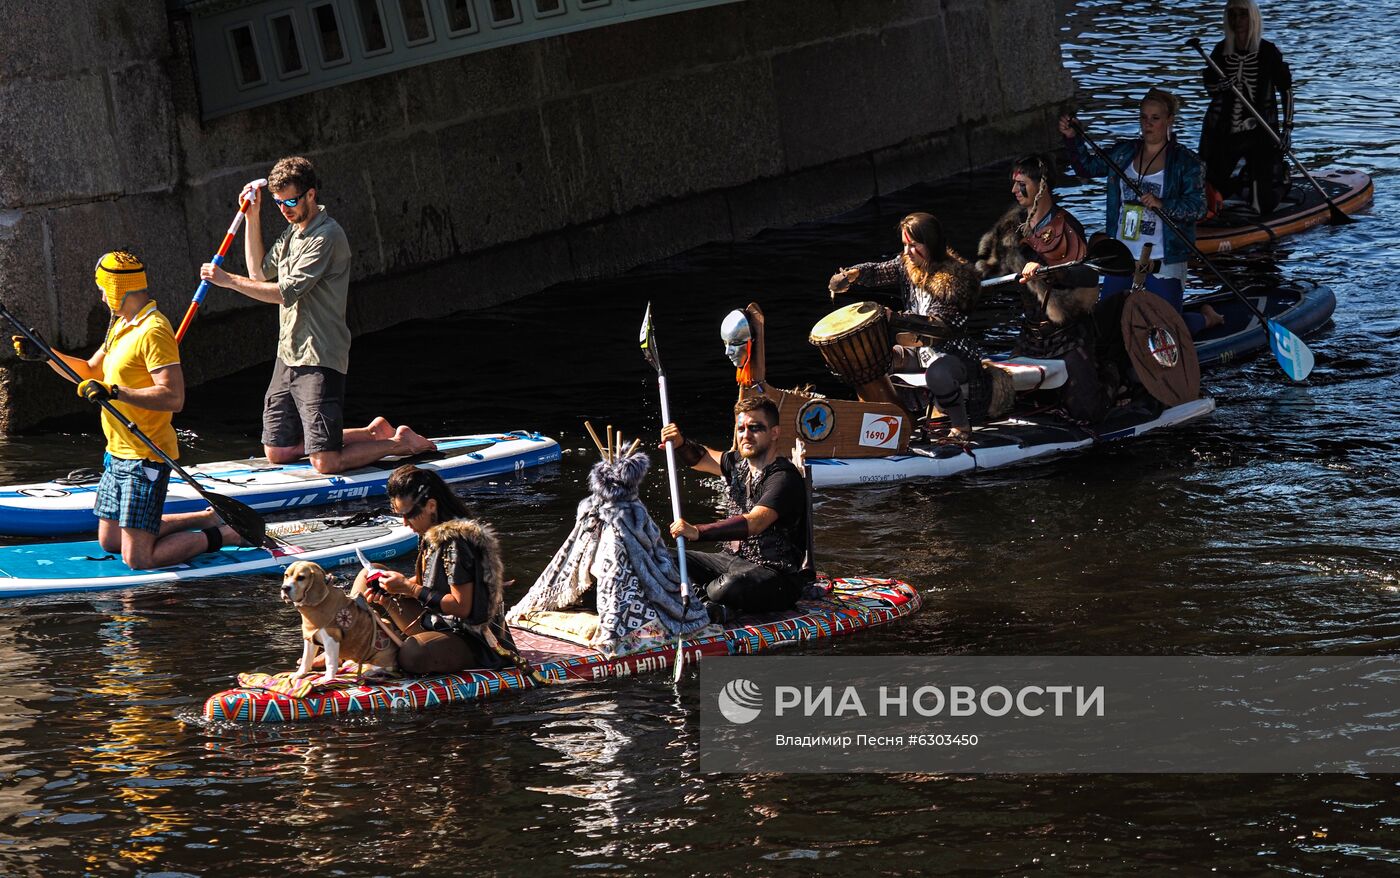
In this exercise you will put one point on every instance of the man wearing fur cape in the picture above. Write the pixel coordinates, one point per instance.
(617, 549)
(1058, 318)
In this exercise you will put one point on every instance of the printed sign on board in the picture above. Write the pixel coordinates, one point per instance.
(880, 431)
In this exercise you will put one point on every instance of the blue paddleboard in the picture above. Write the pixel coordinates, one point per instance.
(64, 506)
(47, 568)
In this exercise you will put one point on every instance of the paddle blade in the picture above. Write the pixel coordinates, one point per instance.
(240, 516)
(1110, 256)
(1294, 357)
(1338, 218)
(679, 664)
(647, 339)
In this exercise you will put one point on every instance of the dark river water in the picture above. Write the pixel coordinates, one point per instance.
(1269, 529)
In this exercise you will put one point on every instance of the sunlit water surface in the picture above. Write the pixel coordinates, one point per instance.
(1268, 530)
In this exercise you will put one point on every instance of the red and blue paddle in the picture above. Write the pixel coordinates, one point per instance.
(244, 203)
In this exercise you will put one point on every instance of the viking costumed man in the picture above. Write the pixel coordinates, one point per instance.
(937, 283)
(760, 567)
(1057, 319)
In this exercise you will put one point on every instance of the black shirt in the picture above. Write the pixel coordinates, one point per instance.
(454, 563)
(779, 487)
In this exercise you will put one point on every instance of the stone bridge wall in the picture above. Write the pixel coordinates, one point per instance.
(466, 182)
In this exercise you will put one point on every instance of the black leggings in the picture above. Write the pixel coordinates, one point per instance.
(1261, 158)
(725, 578)
(946, 377)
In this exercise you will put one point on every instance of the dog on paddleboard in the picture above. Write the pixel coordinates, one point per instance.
(344, 627)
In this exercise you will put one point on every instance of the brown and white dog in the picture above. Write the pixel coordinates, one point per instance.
(344, 627)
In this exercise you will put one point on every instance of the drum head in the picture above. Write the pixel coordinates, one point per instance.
(844, 320)
(1161, 349)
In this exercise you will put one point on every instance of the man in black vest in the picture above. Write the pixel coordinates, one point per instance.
(760, 568)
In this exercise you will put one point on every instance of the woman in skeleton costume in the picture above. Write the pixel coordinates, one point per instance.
(1257, 69)
(1058, 306)
(937, 283)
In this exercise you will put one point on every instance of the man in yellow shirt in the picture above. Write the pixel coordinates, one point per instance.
(137, 369)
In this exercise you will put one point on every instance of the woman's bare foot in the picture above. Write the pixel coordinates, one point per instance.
(412, 441)
(379, 428)
(1213, 317)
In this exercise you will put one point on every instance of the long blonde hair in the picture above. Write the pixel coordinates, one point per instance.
(1256, 27)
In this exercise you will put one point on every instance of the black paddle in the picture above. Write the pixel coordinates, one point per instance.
(237, 515)
(1338, 218)
(1105, 256)
(1292, 355)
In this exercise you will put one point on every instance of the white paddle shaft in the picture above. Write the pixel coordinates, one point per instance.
(674, 478)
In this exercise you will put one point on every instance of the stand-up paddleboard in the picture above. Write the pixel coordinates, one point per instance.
(848, 605)
(1012, 440)
(1301, 209)
(1302, 307)
(64, 506)
(46, 568)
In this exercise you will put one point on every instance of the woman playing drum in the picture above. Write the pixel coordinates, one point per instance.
(936, 283)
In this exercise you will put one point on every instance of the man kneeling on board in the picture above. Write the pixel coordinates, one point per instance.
(306, 275)
(137, 369)
(761, 568)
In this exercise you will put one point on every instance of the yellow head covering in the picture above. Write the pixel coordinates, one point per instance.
(117, 274)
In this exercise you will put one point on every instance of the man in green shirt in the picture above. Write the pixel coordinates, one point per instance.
(306, 273)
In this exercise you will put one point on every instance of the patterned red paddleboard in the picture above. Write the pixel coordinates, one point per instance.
(852, 604)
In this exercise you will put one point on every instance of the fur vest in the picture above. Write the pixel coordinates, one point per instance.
(999, 252)
(947, 286)
(481, 539)
(1059, 298)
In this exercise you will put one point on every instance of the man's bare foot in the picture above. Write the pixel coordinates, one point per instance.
(412, 441)
(379, 428)
(1213, 317)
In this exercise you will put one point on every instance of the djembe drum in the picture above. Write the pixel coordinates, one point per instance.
(855, 343)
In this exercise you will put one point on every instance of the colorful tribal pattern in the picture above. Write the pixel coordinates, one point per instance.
(853, 603)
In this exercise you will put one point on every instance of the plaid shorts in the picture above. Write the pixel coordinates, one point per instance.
(132, 492)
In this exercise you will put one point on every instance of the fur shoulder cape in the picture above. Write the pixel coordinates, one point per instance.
(951, 282)
(481, 537)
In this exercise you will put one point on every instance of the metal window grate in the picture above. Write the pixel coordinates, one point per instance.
(254, 52)
(287, 46)
(329, 35)
(417, 22)
(373, 34)
(504, 13)
(461, 17)
(247, 65)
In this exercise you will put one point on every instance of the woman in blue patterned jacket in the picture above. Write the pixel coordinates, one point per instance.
(1172, 180)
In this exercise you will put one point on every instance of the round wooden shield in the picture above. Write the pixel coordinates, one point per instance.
(1160, 348)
